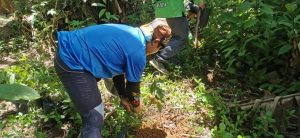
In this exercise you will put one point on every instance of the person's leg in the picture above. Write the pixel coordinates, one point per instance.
(180, 31)
(84, 93)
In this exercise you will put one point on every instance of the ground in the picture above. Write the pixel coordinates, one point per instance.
(179, 114)
(4, 31)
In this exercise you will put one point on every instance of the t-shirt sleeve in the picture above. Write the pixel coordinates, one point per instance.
(135, 66)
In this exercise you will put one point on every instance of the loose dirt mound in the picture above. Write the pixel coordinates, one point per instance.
(150, 133)
(170, 123)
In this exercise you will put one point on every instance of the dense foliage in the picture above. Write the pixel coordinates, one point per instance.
(260, 40)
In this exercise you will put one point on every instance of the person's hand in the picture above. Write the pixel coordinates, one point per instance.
(126, 104)
(191, 15)
(138, 108)
(130, 107)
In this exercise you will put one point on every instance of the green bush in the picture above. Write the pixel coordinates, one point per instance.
(255, 38)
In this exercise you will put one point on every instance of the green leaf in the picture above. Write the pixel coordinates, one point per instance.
(76, 23)
(108, 15)
(291, 7)
(242, 52)
(240, 136)
(15, 92)
(286, 48)
(296, 19)
(279, 90)
(245, 6)
(232, 34)
(267, 9)
(12, 78)
(222, 126)
(228, 51)
(250, 39)
(98, 5)
(1, 125)
(228, 18)
(157, 91)
(249, 23)
(101, 13)
(286, 24)
(294, 86)
(115, 17)
(231, 70)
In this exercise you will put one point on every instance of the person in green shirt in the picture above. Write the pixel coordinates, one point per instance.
(176, 17)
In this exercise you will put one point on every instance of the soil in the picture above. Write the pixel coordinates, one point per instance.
(172, 122)
(6, 25)
(150, 133)
(5, 33)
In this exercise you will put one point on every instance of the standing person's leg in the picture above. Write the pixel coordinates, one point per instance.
(180, 31)
(84, 93)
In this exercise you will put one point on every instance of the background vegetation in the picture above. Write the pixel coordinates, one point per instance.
(249, 50)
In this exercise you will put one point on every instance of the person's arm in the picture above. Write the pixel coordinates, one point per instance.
(135, 65)
(200, 3)
(133, 92)
(129, 95)
(194, 6)
(119, 83)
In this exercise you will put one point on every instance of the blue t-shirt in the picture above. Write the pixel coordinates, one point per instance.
(105, 50)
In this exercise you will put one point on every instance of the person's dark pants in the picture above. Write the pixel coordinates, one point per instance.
(84, 93)
(180, 32)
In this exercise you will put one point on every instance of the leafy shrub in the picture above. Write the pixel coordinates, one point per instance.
(255, 38)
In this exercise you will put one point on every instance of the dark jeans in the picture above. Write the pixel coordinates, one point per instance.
(180, 32)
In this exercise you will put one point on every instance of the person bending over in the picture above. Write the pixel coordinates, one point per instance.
(104, 51)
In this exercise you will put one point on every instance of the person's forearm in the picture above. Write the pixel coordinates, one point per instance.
(133, 92)
(119, 82)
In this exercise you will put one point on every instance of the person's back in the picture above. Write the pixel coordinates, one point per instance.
(169, 8)
(103, 49)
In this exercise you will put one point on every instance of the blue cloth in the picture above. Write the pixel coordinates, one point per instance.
(105, 50)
